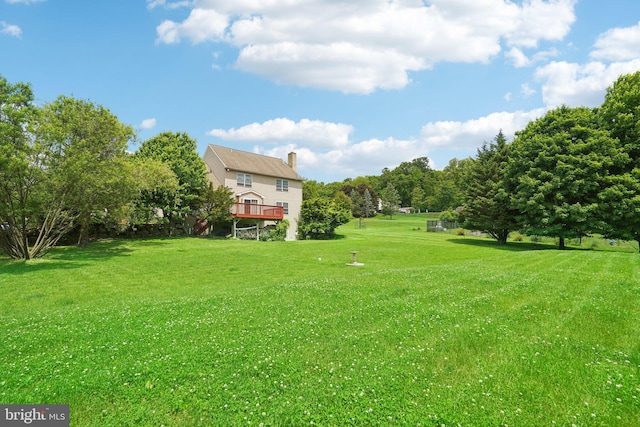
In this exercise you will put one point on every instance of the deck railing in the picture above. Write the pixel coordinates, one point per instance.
(250, 210)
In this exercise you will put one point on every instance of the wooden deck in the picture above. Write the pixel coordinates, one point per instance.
(247, 210)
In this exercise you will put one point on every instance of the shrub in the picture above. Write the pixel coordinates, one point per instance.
(460, 231)
(517, 237)
(280, 231)
(319, 217)
(449, 215)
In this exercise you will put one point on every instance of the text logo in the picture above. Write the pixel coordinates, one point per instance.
(34, 415)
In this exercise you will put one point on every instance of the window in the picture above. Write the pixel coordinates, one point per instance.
(285, 205)
(243, 180)
(282, 185)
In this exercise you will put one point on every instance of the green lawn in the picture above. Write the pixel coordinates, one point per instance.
(434, 329)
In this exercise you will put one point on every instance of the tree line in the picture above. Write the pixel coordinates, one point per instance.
(414, 183)
(65, 166)
(569, 174)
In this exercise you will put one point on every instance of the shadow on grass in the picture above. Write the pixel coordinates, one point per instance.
(327, 238)
(510, 246)
(70, 257)
(529, 246)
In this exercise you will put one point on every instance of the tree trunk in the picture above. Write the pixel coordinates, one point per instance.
(561, 245)
(83, 239)
(24, 240)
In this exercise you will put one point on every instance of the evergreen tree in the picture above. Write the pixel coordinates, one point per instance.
(368, 207)
(488, 205)
(357, 203)
(390, 201)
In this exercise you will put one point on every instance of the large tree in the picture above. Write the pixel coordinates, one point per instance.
(620, 201)
(488, 205)
(178, 151)
(620, 114)
(32, 214)
(152, 177)
(558, 167)
(89, 161)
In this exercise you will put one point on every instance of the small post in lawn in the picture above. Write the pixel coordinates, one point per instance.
(354, 262)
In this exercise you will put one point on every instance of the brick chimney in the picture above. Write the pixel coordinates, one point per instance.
(291, 161)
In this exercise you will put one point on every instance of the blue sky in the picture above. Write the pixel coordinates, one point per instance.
(352, 87)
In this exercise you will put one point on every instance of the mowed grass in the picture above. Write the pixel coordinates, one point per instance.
(434, 329)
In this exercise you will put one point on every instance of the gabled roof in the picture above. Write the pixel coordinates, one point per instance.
(244, 193)
(243, 161)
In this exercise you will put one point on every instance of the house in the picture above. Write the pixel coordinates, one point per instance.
(267, 190)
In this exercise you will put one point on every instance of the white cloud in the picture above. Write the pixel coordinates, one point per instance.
(311, 133)
(23, 1)
(148, 124)
(341, 66)
(526, 90)
(580, 85)
(341, 158)
(542, 20)
(519, 59)
(365, 45)
(11, 30)
(363, 158)
(201, 25)
(456, 135)
(545, 55)
(618, 44)
(152, 4)
(573, 84)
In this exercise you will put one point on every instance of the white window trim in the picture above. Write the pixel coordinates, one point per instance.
(282, 185)
(241, 180)
(285, 205)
